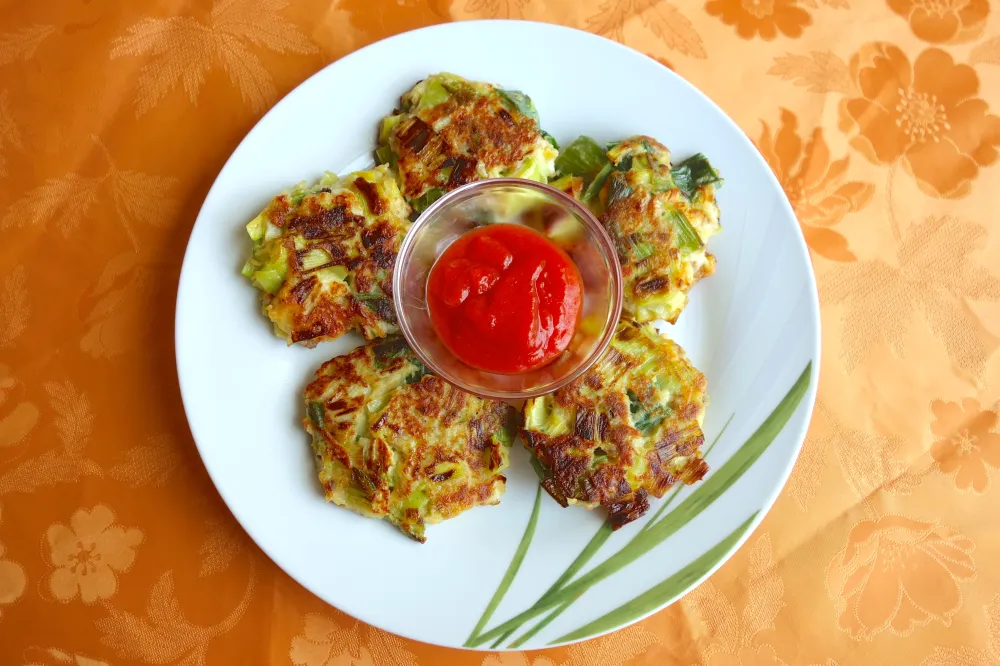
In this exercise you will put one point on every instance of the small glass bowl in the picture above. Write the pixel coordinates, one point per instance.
(559, 217)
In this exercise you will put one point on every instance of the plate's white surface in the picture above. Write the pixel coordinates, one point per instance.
(751, 328)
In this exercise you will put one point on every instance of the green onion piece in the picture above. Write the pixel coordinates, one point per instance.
(662, 182)
(269, 279)
(416, 500)
(540, 471)
(518, 100)
(694, 172)
(619, 189)
(316, 411)
(298, 193)
(388, 124)
(315, 258)
(390, 349)
(649, 422)
(331, 274)
(594, 189)
(642, 418)
(634, 406)
(687, 237)
(381, 306)
(257, 228)
(418, 373)
(385, 155)
(435, 93)
(421, 203)
(642, 250)
(505, 436)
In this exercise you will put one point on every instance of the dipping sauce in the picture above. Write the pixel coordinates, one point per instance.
(504, 298)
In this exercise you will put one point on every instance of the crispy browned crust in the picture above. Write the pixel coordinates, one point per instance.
(309, 311)
(481, 135)
(636, 219)
(628, 508)
(632, 220)
(606, 460)
(430, 438)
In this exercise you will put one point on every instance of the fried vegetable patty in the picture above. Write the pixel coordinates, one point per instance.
(323, 256)
(392, 441)
(629, 428)
(659, 216)
(450, 131)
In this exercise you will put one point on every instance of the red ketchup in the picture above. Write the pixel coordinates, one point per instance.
(504, 298)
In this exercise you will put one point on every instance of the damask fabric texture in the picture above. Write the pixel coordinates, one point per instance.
(879, 117)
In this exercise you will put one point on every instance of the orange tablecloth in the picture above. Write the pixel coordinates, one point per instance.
(880, 118)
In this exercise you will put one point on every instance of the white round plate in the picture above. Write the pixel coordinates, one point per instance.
(752, 328)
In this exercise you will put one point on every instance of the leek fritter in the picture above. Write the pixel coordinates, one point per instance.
(323, 257)
(392, 441)
(660, 217)
(629, 428)
(450, 131)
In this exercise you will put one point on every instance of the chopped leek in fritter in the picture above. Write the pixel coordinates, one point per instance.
(451, 131)
(660, 218)
(323, 257)
(392, 441)
(629, 428)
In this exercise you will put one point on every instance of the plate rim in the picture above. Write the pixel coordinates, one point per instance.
(808, 399)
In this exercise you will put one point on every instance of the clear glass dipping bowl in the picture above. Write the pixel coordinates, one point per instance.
(558, 216)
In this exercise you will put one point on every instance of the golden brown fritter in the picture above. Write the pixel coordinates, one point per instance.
(659, 228)
(394, 442)
(628, 428)
(323, 257)
(451, 131)
(659, 215)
